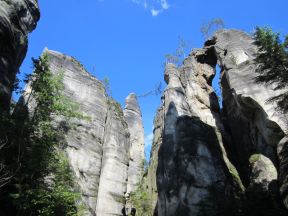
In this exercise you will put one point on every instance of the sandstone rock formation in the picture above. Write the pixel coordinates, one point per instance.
(133, 117)
(192, 161)
(263, 171)
(100, 148)
(17, 19)
(195, 142)
(254, 124)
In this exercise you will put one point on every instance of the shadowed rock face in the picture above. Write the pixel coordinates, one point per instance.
(100, 149)
(193, 171)
(192, 135)
(255, 125)
(17, 19)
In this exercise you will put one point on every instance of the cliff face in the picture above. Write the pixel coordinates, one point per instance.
(195, 143)
(133, 117)
(102, 154)
(17, 19)
(193, 171)
(255, 125)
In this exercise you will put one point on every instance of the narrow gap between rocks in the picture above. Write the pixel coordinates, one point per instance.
(216, 85)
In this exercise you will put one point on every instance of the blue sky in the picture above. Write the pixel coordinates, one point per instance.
(126, 40)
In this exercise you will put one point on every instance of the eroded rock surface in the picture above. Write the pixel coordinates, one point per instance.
(263, 171)
(133, 117)
(255, 125)
(193, 172)
(196, 144)
(17, 19)
(99, 148)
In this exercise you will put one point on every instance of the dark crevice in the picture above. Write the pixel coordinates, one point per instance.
(210, 42)
(208, 57)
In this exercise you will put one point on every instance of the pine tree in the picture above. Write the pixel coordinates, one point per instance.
(43, 184)
(272, 63)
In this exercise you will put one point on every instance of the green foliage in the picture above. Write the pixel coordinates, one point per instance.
(53, 197)
(254, 158)
(141, 201)
(272, 63)
(116, 107)
(43, 182)
(106, 83)
(235, 175)
(145, 165)
(210, 27)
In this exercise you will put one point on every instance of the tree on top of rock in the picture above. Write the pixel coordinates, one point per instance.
(272, 63)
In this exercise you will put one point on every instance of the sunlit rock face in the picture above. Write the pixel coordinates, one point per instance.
(17, 19)
(133, 117)
(100, 147)
(193, 172)
(201, 153)
(255, 125)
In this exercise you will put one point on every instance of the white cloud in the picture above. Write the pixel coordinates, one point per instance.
(155, 6)
(155, 12)
(148, 139)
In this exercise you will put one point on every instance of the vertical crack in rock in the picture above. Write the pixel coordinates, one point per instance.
(99, 148)
(194, 141)
(113, 178)
(255, 125)
(192, 168)
(84, 137)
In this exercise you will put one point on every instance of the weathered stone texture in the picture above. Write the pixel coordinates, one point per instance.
(133, 117)
(98, 148)
(256, 126)
(17, 19)
(194, 141)
(263, 171)
(191, 159)
(115, 161)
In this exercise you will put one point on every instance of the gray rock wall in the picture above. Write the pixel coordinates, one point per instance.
(133, 117)
(256, 126)
(115, 162)
(17, 19)
(192, 169)
(99, 148)
(196, 145)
